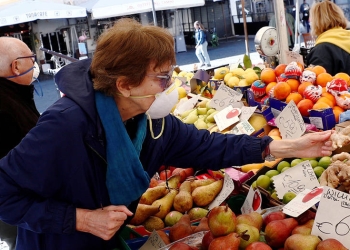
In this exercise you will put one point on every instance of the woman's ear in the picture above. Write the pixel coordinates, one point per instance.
(122, 86)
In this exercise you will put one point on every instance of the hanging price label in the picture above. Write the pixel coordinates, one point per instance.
(296, 179)
(290, 122)
(224, 97)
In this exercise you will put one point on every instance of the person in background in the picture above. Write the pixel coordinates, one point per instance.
(290, 22)
(18, 113)
(304, 15)
(75, 180)
(201, 45)
(332, 46)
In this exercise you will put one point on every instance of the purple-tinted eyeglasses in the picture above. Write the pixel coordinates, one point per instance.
(165, 80)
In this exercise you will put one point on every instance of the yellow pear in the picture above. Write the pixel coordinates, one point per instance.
(143, 212)
(165, 203)
(201, 124)
(152, 194)
(210, 118)
(204, 195)
(183, 200)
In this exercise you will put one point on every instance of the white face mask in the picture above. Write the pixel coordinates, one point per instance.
(36, 72)
(161, 106)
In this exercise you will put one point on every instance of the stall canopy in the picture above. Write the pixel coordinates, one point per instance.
(107, 8)
(31, 10)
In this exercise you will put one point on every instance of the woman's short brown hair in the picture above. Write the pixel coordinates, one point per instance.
(326, 15)
(126, 50)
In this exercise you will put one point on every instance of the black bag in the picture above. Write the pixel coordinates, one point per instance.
(207, 36)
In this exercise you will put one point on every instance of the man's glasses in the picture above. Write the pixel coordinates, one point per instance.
(23, 57)
(165, 80)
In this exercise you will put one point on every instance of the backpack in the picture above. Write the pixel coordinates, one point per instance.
(207, 36)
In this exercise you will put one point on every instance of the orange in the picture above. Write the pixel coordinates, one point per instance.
(320, 105)
(302, 87)
(323, 78)
(324, 90)
(301, 66)
(304, 106)
(280, 69)
(295, 96)
(274, 132)
(268, 75)
(318, 70)
(281, 90)
(294, 84)
(269, 87)
(337, 111)
(344, 76)
(330, 97)
(326, 100)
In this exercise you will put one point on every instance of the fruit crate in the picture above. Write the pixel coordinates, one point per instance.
(129, 239)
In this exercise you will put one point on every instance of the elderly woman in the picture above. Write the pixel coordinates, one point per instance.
(332, 47)
(76, 178)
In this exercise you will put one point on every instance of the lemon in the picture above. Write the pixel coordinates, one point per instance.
(233, 81)
(220, 73)
(227, 77)
(250, 77)
(237, 71)
(182, 92)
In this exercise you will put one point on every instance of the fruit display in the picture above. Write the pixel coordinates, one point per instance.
(223, 229)
(165, 202)
(265, 180)
(310, 88)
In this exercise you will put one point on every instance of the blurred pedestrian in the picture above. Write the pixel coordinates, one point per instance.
(305, 16)
(201, 45)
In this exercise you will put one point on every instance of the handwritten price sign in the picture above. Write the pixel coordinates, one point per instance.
(224, 97)
(226, 190)
(290, 122)
(154, 242)
(332, 218)
(296, 179)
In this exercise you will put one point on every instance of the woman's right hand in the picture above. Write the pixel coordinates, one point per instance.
(102, 222)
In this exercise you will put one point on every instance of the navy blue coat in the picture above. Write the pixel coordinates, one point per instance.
(60, 165)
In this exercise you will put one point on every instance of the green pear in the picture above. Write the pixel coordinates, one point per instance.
(203, 104)
(197, 213)
(200, 124)
(301, 241)
(210, 111)
(201, 111)
(210, 118)
(207, 105)
(190, 119)
(253, 232)
(186, 113)
(172, 218)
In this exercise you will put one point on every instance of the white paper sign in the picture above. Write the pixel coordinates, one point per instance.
(333, 216)
(296, 179)
(154, 242)
(242, 127)
(303, 201)
(246, 112)
(290, 122)
(252, 202)
(224, 96)
(226, 190)
(227, 117)
(292, 56)
(186, 105)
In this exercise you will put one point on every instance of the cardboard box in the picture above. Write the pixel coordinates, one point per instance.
(338, 128)
(322, 119)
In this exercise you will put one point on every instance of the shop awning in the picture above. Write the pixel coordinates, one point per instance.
(107, 8)
(31, 10)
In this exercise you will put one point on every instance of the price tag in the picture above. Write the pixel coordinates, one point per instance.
(252, 202)
(154, 242)
(292, 56)
(226, 190)
(296, 179)
(242, 127)
(303, 201)
(290, 122)
(317, 121)
(186, 105)
(227, 117)
(332, 218)
(246, 112)
(224, 97)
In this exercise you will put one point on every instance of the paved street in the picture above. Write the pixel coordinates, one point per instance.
(228, 51)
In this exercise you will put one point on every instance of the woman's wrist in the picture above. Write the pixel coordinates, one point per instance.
(281, 148)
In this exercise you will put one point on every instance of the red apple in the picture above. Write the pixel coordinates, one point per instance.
(258, 246)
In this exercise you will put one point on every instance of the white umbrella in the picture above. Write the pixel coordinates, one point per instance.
(108, 8)
(30, 10)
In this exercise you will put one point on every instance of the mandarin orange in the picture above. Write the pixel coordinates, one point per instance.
(294, 84)
(268, 75)
(318, 69)
(280, 69)
(269, 87)
(304, 106)
(323, 78)
(344, 76)
(303, 86)
(281, 90)
(295, 96)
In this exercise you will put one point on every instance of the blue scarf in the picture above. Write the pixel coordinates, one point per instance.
(126, 179)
